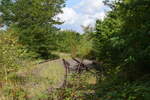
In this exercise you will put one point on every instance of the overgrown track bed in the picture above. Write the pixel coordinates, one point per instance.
(49, 75)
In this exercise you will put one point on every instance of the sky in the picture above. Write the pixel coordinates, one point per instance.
(79, 13)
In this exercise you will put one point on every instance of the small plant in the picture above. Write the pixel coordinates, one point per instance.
(74, 90)
(122, 90)
(11, 92)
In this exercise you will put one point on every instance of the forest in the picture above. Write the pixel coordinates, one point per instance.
(40, 61)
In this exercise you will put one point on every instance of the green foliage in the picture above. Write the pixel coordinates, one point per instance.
(122, 90)
(68, 41)
(34, 22)
(122, 38)
(86, 43)
(10, 59)
(74, 90)
(135, 32)
(121, 41)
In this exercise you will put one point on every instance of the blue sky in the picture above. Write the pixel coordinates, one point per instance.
(71, 3)
(79, 13)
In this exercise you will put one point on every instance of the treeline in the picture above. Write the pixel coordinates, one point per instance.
(122, 43)
(78, 45)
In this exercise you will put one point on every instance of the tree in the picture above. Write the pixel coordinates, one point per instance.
(34, 21)
(67, 41)
(85, 48)
(122, 38)
(135, 32)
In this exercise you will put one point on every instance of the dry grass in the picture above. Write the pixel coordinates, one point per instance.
(41, 77)
(62, 55)
(44, 76)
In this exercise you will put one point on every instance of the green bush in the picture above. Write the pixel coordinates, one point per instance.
(74, 90)
(10, 59)
(121, 90)
(10, 62)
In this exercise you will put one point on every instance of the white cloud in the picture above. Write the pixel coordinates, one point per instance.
(100, 15)
(69, 15)
(84, 13)
(90, 6)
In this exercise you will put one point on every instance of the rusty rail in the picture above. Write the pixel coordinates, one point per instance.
(66, 65)
(81, 65)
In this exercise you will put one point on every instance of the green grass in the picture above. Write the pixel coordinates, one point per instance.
(62, 55)
(44, 76)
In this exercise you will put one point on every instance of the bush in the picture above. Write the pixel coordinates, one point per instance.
(10, 59)
(10, 62)
(121, 90)
(74, 90)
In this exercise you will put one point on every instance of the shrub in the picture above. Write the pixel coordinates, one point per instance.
(121, 90)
